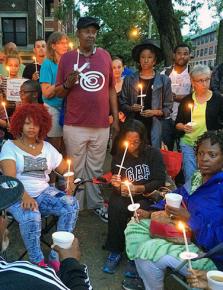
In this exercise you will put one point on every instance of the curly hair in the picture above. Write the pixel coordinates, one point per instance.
(37, 113)
(215, 137)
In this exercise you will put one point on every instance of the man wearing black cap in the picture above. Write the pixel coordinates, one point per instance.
(85, 77)
(22, 275)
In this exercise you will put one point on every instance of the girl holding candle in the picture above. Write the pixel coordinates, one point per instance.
(157, 104)
(30, 159)
(204, 215)
(144, 168)
(207, 114)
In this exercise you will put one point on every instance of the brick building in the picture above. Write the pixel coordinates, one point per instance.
(23, 21)
(205, 46)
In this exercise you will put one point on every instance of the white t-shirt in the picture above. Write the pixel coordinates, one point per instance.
(32, 171)
(181, 85)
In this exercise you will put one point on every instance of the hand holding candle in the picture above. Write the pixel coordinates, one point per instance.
(68, 174)
(133, 206)
(123, 158)
(141, 96)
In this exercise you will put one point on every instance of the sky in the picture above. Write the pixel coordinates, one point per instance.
(205, 18)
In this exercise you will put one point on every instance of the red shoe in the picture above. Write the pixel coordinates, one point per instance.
(55, 265)
(41, 263)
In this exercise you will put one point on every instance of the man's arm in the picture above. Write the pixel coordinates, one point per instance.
(72, 273)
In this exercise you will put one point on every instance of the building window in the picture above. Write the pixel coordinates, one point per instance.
(205, 50)
(202, 52)
(39, 29)
(211, 50)
(198, 52)
(206, 38)
(202, 40)
(212, 37)
(205, 62)
(215, 49)
(15, 30)
(198, 41)
(49, 8)
(210, 63)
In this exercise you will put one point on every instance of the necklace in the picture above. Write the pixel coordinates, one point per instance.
(31, 146)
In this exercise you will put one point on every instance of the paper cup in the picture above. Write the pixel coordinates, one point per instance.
(192, 124)
(173, 199)
(214, 278)
(63, 239)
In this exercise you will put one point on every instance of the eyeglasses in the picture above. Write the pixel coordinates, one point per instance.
(202, 81)
(22, 92)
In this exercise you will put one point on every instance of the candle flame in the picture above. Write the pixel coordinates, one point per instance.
(34, 58)
(126, 143)
(8, 68)
(71, 45)
(126, 182)
(68, 161)
(190, 106)
(3, 104)
(140, 86)
(181, 226)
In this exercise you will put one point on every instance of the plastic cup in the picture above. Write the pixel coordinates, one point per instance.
(173, 199)
(214, 278)
(192, 124)
(63, 239)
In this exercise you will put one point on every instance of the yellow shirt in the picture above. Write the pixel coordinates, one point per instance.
(199, 120)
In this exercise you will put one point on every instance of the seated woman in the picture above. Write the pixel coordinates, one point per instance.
(144, 168)
(30, 159)
(203, 197)
(207, 114)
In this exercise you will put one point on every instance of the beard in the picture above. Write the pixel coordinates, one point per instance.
(5, 241)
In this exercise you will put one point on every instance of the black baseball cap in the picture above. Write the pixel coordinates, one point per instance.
(86, 21)
(11, 191)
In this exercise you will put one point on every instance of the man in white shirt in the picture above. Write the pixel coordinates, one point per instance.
(181, 86)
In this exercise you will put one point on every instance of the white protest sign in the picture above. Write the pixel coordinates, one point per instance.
(13, 88)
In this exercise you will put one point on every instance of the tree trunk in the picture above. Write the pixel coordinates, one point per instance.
(167, 25)
(219, 56)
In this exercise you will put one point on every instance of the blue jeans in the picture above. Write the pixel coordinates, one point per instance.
(61, 205)
(189, 160)
(152, 273)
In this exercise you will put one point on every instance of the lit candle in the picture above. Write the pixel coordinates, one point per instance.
(123, 157)
(71, 45)
(6, 114)
(34, 58)
(190, 106)
(68, 163)
(182, 228)
(68, 172)
(127, 183)
(8, 69)
(140, 87)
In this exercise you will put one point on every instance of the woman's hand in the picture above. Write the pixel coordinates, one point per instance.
(28, 202)
(35, 76)
(151, 113)
(136, 108)
(70, 188)
(178, 213)
(187, 128)
(116, 180)
(198, 279)
(143, 214)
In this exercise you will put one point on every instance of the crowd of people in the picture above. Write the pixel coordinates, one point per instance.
(71, 102)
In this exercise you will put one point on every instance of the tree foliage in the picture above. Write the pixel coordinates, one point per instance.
(119, 16)
(118, 19)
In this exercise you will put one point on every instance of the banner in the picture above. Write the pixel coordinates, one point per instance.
(13, 88)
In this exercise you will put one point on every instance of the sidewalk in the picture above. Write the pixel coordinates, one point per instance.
(91, 232)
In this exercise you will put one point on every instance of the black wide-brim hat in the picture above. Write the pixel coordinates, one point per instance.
(11, 191)
(148, 44)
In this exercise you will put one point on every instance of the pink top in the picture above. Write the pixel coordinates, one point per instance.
(87, 103)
